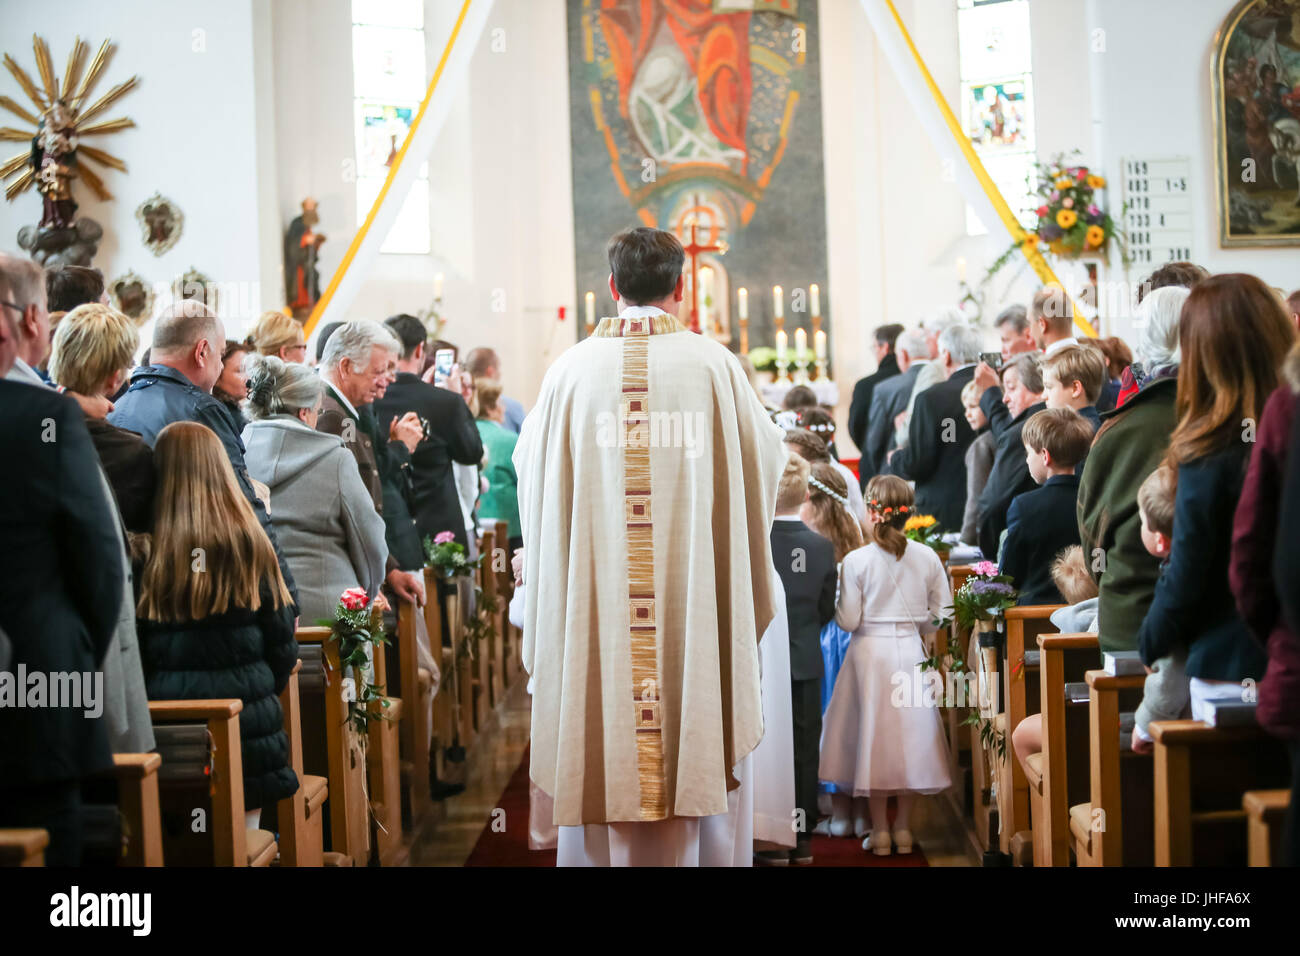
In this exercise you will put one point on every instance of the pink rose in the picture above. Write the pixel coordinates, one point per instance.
(1067, 202)
(1094, 211)
(1041, 211)
(1083, 174)
(985, 569)
(443, 537)
(354, 599)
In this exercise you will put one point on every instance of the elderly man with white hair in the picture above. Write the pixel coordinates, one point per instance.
(357, 366)
(938, 433)
(186, 354)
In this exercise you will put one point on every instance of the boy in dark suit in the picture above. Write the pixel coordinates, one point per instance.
(1041, 523)
(806, 563)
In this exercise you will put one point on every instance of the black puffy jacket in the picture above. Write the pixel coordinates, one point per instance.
(243, 654)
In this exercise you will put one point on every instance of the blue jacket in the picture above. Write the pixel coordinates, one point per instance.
(159, 395)
(1193, 605)
(1040, 525)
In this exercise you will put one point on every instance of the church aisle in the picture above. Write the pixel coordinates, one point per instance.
(498, 779)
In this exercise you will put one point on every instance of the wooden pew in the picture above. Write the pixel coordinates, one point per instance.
(960, 765)
(501, 580)
(1114, 827)
(232, 843)
(1020, 698)
(23, 847)
(138, 803)
(301, 817)
(1057, 777)
(483, 650)
(334, 751)
(415, 685)
(457, 611)
(443, 711)
(1201, 776)
(1266, 812)
(383, 764)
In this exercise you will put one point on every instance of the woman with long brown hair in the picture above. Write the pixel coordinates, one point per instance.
(215, 617)
(1233, 335)
(883, 735)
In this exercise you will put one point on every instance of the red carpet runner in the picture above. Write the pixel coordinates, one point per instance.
(509, 847)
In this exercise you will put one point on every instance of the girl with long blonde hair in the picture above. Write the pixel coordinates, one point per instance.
(215, 617)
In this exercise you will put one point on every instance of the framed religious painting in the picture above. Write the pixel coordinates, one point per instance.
(1256, 88)
(197, 286)
(133, 297)
(160, 222)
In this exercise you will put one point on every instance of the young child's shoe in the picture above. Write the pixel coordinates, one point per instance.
(841, 826)
(861, 826)
(877, 842)
(903, 841)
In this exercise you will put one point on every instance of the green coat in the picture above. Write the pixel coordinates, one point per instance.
(1131, 444)
(501, 501)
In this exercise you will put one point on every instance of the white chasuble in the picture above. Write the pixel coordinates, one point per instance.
(774, 807)
(647, 483)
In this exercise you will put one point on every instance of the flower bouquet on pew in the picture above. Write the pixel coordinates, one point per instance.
(925, 529)
(357, 625)
(447, 556)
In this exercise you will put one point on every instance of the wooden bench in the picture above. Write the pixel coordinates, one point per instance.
(138, 803)
(23, 847)
(1020, 698)
(960, 764)
(1201, 776)
(1114, 827)
(232, 844)
(1057, 776)
(383, 764)
(501, 582)
(445, 703)
(1266, 812)
(301, 817)
(415, 687)
(482, 679)
(331, 749)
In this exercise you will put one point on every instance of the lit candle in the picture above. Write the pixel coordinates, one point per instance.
(437, 287)
(800, 342)
(780, 345)
(961, 268)
(591, 309)
(742, 303)
(778, 302)
(819, 345)
(816, 295)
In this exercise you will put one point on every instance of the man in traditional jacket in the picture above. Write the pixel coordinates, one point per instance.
(647, 484)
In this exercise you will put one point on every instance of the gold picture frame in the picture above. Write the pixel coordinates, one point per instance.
(1257, 124)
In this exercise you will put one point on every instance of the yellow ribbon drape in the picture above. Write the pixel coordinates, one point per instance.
(348, 256)
(1018, 235)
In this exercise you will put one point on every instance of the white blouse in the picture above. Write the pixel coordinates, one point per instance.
(877, 589)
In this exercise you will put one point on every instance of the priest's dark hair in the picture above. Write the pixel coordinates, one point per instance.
(646, 264)
(409, 330)
(67, 287)
(888, 334)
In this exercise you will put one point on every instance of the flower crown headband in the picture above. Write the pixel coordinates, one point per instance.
(827, 491)
(874, 505)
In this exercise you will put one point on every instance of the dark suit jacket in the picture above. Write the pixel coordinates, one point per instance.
(1194, 606)
(1009, 476)
(128, 465)
(888, 400)
(860, 407)
(806, 563)
(935, 456)
(61, 580)
(1040, 524)
(451, 437)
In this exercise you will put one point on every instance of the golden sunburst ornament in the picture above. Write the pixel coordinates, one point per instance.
(61, 119)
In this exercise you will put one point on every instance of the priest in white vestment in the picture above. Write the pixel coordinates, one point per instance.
(647, 484)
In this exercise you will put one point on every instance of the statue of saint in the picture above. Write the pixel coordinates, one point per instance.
(301, 246)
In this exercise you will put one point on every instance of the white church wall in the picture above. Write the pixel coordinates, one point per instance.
(197, 139)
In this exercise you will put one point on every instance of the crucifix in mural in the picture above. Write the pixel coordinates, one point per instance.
(702, 117)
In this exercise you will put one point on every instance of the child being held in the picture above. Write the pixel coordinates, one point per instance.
(1071, 577)
(1043, 522)
(1165, 694)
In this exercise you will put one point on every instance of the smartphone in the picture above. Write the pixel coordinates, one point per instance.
(992, 359)
(443, 362)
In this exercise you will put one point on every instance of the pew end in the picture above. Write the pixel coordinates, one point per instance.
(138, 802)
(1266, 812)
(1114, 826)
(23, 847)
(301, 816)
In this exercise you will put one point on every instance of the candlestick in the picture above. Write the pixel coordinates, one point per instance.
(437, 287)
(800, 342)
(591, 310)
(819, 349)
(815, 294)
(961, 270)
(742, 303)
(800, 356)
(782, 359)
(778, 306)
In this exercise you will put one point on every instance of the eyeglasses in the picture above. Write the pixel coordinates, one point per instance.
(16, 308)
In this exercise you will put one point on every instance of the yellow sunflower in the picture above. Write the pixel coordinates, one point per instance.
(1066, 218)
(1095, 237)
(1065, 182)
(1096, 182)
(920, 522)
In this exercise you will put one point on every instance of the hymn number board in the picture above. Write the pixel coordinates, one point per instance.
(1158, 214)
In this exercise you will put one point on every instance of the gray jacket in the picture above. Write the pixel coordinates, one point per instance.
(330, 532)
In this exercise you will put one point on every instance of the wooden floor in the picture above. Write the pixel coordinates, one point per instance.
(450, 838)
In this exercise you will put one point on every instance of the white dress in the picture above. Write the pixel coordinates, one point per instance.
(881, 734)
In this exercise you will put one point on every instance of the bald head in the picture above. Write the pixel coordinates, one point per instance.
(483, 363)
(188, 337)
(22, 289)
